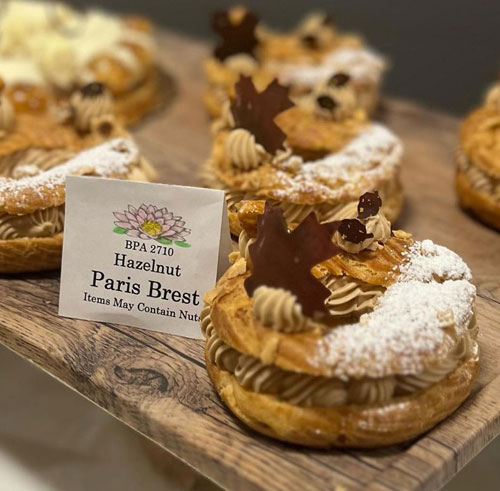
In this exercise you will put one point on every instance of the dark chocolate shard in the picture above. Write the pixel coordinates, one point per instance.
(235, 38)
(310, 41)
(283, 259)
(369, 205)
(326, 102)
(352, 230)
(255, 111)
(93, 89)
(328, 20)
(339, 79)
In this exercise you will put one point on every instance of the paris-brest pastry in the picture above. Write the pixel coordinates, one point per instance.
(48, 49)
(37, 152)
(302, 59)
(320, 155)
(365, 340)
(478, 172)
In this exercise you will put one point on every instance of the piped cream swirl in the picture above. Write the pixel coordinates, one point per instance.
(317, 391)
(244, 242)
(350, 296)
(376, 225)
(278, 309)
(478, 179)
(376, 391)
(241, 63)
(41, 223)
(7, 115)
(87, 109)
(12, 165)
(243, 151)
(465, 347)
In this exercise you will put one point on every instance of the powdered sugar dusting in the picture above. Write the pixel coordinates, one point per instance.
(363, 65)
(111, 159)
(427, 260)
(404, 331)
(374, 155)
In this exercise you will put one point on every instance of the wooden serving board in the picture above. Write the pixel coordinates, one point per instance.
(157, 384)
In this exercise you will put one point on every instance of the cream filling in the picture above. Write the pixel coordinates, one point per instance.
(478, 179)
(350, 296)
(41, 41)
(41, 223)
(7, 115)
(32, 161)
(89, 109)
(296, 213)
(245, 153)
(376, 225)
(278, 309)
(493, 94)
(317, 391)
(363, 65)
(242, 63)
(370, 160)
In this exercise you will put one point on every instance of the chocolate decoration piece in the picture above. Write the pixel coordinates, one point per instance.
(283, 259)
(329, 20)
(326, 102)
(256, 111)
(369, 205)
(352, 230)
(236, 39)
(310, 41)
(93, 89)
(339, 79)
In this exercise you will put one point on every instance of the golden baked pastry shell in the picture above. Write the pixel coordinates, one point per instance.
(31, 254)
(480, 140)
(482, 205)
(363, 426)
(393, 200)
(134, 105)
(232, 317)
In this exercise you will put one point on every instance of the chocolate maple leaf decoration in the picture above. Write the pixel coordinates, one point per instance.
(283, 259)
(369, 205)
(236, 38)
(255, 111)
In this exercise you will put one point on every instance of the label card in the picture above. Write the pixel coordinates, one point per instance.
(141, 254)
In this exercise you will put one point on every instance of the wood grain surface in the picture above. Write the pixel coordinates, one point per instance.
(157, 384)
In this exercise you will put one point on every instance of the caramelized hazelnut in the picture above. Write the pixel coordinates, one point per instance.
(310, 41)
(27, 98)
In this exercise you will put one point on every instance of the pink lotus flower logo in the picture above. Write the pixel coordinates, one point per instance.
(149, 222)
